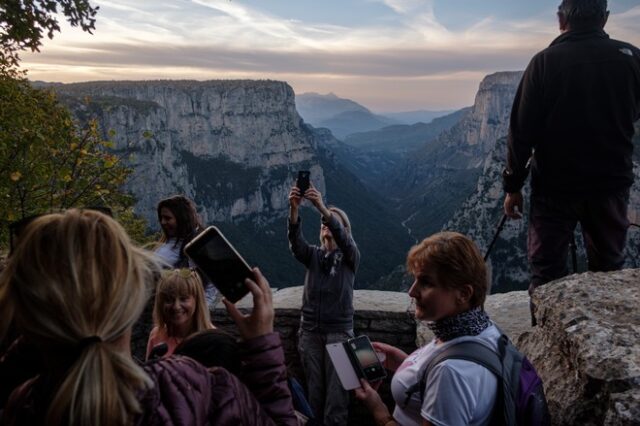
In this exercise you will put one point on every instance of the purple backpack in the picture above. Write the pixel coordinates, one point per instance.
(520, 400)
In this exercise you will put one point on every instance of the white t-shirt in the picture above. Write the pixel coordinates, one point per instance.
(457, 392)
(169, 252)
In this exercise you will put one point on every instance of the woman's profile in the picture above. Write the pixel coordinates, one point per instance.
(449, 289)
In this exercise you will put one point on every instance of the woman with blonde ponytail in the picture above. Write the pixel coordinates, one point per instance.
(75, 286)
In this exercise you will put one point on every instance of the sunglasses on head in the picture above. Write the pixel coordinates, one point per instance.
(17, 228)
(182, 272)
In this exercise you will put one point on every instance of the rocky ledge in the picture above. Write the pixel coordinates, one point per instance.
(587, 347)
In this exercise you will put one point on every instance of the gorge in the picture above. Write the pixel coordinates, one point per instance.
(235, 147)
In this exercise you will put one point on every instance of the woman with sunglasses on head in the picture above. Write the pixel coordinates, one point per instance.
(75, 286)
(180, 223)
(327, 305)
(179, 311)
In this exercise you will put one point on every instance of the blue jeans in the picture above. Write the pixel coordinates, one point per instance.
(328, 400)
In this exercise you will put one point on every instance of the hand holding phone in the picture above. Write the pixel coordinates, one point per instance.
(367, 359)
(369, 396)
(221, 263)
(355, 359)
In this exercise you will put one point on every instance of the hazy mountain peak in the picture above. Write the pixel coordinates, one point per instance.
(341, 116)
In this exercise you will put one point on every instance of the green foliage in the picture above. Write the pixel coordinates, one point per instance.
(47, 164)
(23, 24)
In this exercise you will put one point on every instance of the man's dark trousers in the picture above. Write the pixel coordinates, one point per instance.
(552, 222)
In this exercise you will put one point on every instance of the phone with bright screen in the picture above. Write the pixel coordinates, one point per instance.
(366, 358)
(220, 262)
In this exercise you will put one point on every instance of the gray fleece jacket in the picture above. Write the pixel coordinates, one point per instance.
(327, 304)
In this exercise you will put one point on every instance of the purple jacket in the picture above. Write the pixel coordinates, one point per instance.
(186, 393)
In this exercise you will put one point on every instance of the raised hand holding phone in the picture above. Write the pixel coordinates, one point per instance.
(315, 197)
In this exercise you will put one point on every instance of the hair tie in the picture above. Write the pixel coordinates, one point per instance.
(88, 341)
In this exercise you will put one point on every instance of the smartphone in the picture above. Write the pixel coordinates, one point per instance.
(366, 358)
(303, 181)
(220, 262)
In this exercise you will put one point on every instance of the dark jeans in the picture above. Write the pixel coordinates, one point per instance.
(552, 222)
(327, 398)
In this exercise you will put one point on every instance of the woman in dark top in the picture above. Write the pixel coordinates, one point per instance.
(327, 307)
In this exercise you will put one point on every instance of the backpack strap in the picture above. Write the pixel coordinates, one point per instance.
(466, 350)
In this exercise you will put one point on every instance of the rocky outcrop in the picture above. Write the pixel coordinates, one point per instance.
(478, 218)
(437, 178)
(587, 347)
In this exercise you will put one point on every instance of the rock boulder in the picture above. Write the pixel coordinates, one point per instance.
(587, 347)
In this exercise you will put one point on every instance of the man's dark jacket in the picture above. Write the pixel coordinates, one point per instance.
(576, 105)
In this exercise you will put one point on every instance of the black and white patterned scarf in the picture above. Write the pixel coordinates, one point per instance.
(468, 323)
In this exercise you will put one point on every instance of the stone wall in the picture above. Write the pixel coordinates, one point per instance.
(384, 316)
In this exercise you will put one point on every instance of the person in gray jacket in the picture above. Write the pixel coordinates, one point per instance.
(327, 306)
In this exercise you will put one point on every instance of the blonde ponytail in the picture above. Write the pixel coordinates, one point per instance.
(75, 277)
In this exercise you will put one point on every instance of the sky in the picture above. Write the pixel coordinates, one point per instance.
(389, 55)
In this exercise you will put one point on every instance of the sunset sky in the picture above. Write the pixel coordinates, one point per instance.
(389, 55)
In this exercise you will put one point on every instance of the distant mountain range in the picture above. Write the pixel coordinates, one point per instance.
(413, 117)
(404, 137)
(345, 117)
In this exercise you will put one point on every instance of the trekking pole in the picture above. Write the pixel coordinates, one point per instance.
(527, 166)
(634, 224)
(495, 236)
(574, 259)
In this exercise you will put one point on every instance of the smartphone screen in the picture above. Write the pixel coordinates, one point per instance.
(220, 262)
(303, 181)
(367, 359)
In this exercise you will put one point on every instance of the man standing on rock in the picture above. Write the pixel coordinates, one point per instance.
(573, 114)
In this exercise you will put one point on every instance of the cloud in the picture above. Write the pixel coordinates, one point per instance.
(398, 63)
(226, 39)
(407, 6)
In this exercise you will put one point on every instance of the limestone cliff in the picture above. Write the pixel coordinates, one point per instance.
(235, 147)
(434, 180)
(196, 138)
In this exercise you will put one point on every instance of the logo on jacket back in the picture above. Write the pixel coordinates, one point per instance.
(626, 51)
